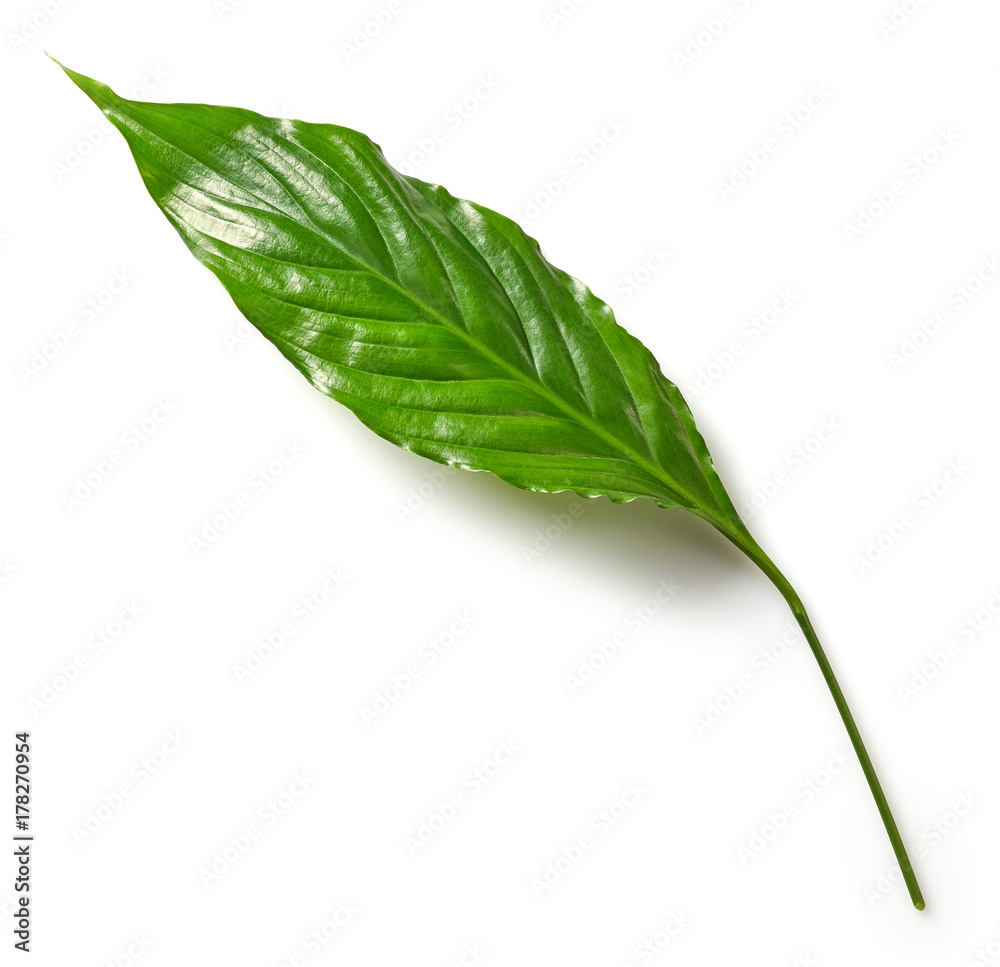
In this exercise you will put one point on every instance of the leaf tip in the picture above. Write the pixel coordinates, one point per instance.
(99, 93)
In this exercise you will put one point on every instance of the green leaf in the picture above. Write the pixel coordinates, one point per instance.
(438, 322)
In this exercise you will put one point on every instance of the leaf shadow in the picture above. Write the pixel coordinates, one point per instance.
(632, 545)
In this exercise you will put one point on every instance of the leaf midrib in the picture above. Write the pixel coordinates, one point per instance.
(653, 469)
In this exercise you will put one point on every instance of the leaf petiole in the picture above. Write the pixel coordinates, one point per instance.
(754, 552)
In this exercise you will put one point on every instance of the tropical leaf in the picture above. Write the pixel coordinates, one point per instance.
(437, 321)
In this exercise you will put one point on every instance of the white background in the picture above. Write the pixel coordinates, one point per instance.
(127, 884)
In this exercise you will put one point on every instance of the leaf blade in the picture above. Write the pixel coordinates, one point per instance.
(437, 321)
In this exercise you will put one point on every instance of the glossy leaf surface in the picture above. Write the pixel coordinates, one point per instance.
(437, 321)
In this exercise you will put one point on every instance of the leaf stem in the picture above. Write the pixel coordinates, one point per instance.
(754, 552)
